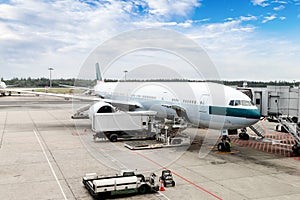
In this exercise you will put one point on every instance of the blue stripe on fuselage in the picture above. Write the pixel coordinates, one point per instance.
(235, 112)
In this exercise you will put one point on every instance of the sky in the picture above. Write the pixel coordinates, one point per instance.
(245, 39)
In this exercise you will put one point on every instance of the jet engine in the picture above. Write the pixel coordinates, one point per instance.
(101, 107)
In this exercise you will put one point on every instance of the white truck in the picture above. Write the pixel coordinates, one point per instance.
(126, 183)
(124, 125)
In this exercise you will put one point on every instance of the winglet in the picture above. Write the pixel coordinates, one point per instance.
(98, 74)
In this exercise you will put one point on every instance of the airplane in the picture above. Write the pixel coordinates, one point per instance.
(3, 88)
(207, 104)
(203, 109)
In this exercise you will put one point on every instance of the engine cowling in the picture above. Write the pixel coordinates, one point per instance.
(100, 107)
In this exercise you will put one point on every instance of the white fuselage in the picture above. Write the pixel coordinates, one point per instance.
(206, 104)
(2, 87)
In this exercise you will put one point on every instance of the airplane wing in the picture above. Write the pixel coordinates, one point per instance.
(86, 90)
(80, 97)
(180, 111)
(12, 85)
(76, 87)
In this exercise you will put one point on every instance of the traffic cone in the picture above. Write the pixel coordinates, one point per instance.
(161, 187)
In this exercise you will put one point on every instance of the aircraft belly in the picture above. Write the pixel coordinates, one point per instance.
(222, 122)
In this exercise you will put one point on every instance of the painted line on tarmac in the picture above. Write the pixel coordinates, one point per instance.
(52, 170)
(186, 180)
(161, 194)
(3, 131)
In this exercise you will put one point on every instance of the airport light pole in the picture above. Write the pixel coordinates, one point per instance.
(50, 69)
(125, 71)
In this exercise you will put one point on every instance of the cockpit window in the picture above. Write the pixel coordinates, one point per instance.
(237, 103)
(246, 103)
(240, 103)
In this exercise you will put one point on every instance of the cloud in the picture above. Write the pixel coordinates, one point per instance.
(262, 3)
(280, 2)
(282, 18)
(295, 2)
(172, 7)
(239, 52)
(248, 18)
(155, 24)
(269, 18)
(241, 55)
(35, 35)
(278, 8)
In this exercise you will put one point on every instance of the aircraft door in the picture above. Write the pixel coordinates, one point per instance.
(204, 99)
(273, 104)
(203, 102)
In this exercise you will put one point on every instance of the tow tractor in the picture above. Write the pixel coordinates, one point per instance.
(126, 183)
(167, 178)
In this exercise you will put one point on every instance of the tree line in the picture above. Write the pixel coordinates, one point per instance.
(43, 82)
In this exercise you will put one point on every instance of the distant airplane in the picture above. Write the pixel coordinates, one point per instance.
(234, 111)
(3, 88)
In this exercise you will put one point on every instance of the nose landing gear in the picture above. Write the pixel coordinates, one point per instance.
(225, 144)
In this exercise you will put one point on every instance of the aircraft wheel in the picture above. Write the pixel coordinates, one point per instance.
(227, 147)
(113, 137)
(173, 183)
(143, 189)
(244, 136)
(221, 147)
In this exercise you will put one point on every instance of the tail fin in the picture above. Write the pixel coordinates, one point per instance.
(98, 74)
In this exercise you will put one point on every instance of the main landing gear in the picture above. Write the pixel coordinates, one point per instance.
(225, 144)
(244, 135)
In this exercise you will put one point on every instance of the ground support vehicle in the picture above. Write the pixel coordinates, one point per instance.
(126, 183)
(136, 125)
(167, 178)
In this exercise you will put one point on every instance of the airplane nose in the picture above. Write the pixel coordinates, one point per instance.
(254, 114)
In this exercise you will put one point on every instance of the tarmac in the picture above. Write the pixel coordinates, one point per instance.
(44, 154)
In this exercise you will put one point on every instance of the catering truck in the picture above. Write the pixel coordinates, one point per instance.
(137, 124)
(126, 183)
